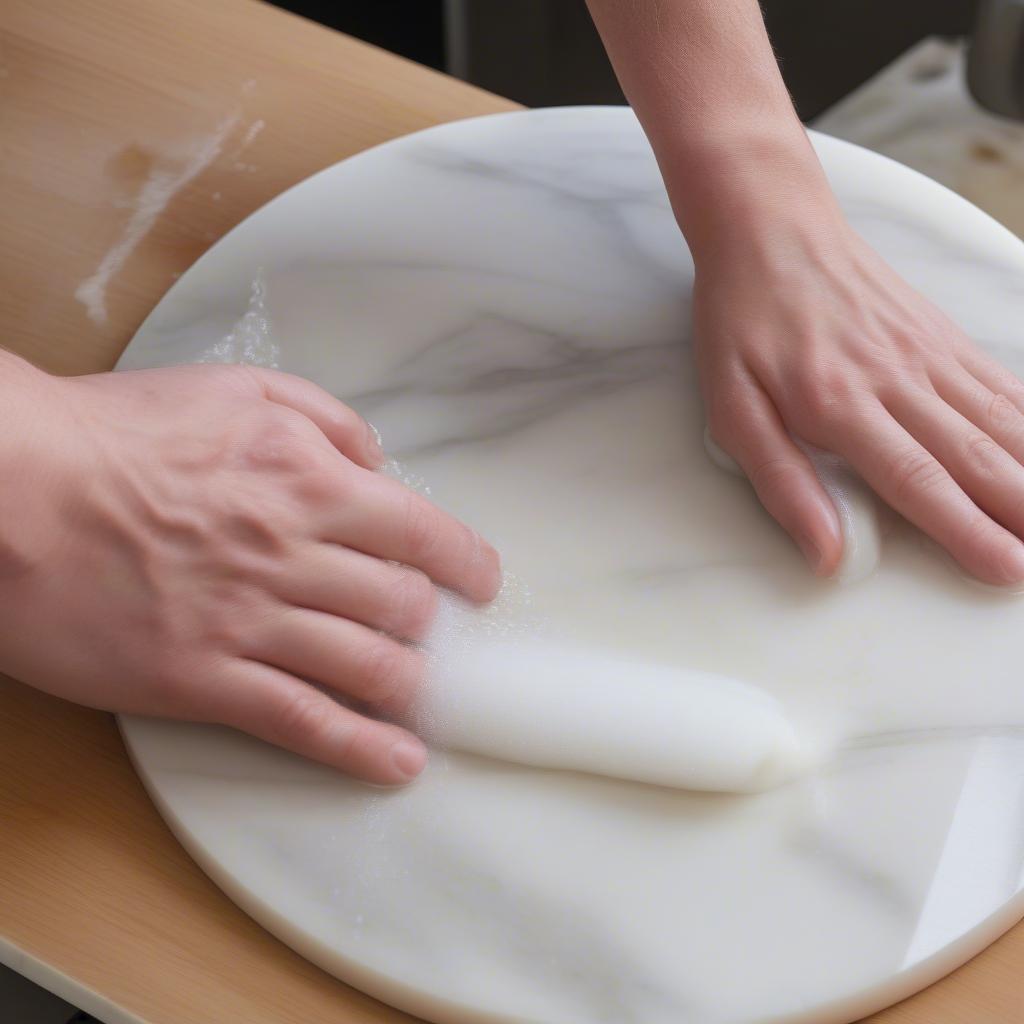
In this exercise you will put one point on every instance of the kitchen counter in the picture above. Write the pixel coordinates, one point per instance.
(134, 134)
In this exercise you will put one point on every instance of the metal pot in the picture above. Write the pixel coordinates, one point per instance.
(995, 58)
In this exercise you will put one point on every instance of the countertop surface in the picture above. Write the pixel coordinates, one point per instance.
(132, 135)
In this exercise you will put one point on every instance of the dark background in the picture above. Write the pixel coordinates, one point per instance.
(547, 52)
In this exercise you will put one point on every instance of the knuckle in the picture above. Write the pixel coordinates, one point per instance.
(414, 603)
(280, 439)
(304, 718)
(983, 453)
(225, 631)
(879, 354)
(975, 540)
(349, 425)
(240, 378)
(253, 377)
(286, 422)
(355, 746)
(475, 567)
(772, 477)
(238, 616)
(1002, 413)
(404, 693)
(903, 352)
(423, 528)
(826, 396)
(324, 482)
(342, 486)
(914, 470)
(168, 688)
(250, 536)
(382, 671)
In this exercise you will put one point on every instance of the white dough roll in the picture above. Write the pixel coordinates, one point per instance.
(556, 707)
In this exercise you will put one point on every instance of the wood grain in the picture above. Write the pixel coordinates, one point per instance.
(137, 132)
(134, 133)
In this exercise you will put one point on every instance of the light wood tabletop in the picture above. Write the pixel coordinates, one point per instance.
(133, 134)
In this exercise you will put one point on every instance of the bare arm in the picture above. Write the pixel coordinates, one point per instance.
(801, 328)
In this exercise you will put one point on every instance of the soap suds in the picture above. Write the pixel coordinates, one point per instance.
(251, 340)
(499, 686)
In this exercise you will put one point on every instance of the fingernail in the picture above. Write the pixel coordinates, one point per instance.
(409, 757)
(811, 551)
(1012, 564)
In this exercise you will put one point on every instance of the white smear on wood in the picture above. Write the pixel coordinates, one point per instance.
(254, 129)
(160, 187)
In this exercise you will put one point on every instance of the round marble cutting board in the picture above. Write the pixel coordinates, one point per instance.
(507, 300)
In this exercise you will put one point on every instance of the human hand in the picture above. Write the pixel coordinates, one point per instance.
(802, 329)
(205, 542)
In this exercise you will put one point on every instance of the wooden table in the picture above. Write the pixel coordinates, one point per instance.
(133, 134)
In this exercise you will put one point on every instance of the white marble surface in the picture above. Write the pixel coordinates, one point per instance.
(507, 300)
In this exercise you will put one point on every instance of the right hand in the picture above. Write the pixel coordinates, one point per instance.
(803, 330)
(206, 542)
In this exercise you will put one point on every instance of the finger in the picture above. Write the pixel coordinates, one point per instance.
(991, 411)
(997, 378)
(342, 426)
(390, 521)
(752, 432)
(329, 578)
(991, 477)
(280, 709)
(345, 656)
(912, 481)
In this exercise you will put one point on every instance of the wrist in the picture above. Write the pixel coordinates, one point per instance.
(21, 389)
(748, 191)
(15, 368)
(26, 411)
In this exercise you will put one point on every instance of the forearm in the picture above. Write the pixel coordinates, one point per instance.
(702, 78)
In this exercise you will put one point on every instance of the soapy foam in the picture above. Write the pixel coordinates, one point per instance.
(499, 686)
(251, 340)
